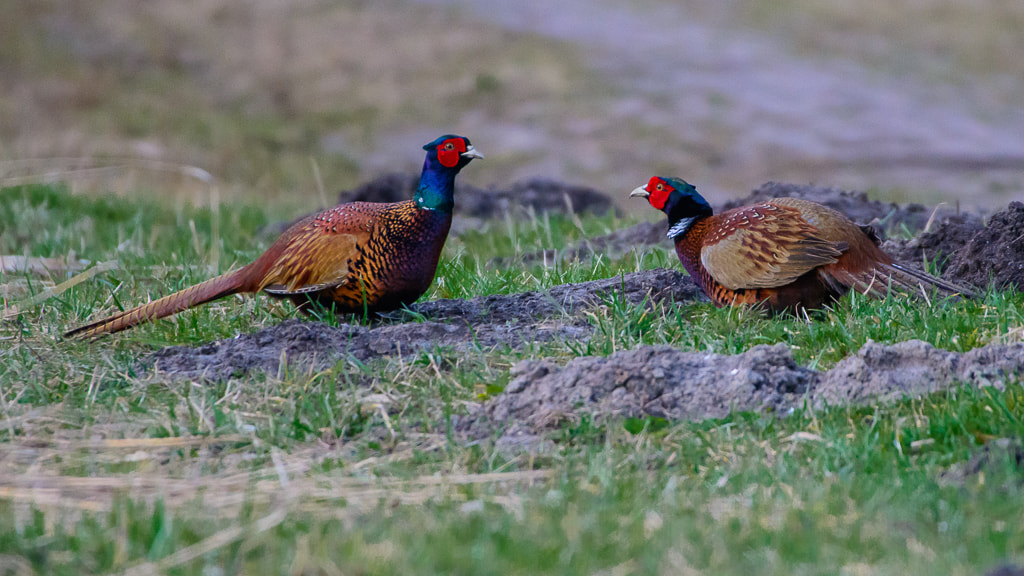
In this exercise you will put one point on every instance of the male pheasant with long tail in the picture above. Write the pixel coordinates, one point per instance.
(785, 254)
(356, 257)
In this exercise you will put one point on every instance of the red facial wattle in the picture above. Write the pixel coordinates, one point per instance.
(659, 191)
(449, 152)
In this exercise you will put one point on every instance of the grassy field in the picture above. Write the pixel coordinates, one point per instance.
(105, 468)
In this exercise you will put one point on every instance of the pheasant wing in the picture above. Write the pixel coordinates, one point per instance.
(764, 246)
(316, 253)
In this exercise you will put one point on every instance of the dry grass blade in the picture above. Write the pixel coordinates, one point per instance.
(134, 443)
(37, 265)
(220, 492)
(931, 219)
(58, 289)
(85, 165)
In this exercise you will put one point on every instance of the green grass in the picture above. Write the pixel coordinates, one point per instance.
(302, 473)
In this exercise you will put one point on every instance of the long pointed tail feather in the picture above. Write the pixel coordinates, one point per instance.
(918, 280)
(212, 289)
(883, 278)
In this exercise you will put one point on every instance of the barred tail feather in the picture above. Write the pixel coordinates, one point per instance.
(883, 278)
(212, 289)
(917, 281)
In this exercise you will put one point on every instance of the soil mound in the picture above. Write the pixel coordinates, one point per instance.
(938, 245)
(310, 346)
(481, 322)
(649, 381)
(995, 254)
(539, 194)
(663, 382)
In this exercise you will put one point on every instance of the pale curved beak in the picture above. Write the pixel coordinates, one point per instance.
(640, 191)
(472, 153)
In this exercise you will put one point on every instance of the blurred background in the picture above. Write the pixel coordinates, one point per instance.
(917, 100)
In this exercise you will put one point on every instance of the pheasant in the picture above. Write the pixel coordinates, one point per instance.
(785, 254)
(357, 257)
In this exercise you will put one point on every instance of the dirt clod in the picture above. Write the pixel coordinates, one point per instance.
(995, 254)
(664, 382)
(649, 381)
(938, 244)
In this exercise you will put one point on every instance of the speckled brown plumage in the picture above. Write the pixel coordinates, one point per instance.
(784, 254)
(356, 257)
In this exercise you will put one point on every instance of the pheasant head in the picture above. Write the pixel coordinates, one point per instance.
(678, 199)
(446, 156)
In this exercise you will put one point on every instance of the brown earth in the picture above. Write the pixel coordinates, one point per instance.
(855, 205)
(660, 381)
(970, 253)
(938, 244)
(995, 254)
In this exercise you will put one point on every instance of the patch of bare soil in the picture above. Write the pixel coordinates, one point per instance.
(481, 322)
(937, 245)
(995, 254)
(661, 381)
(652, 380)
